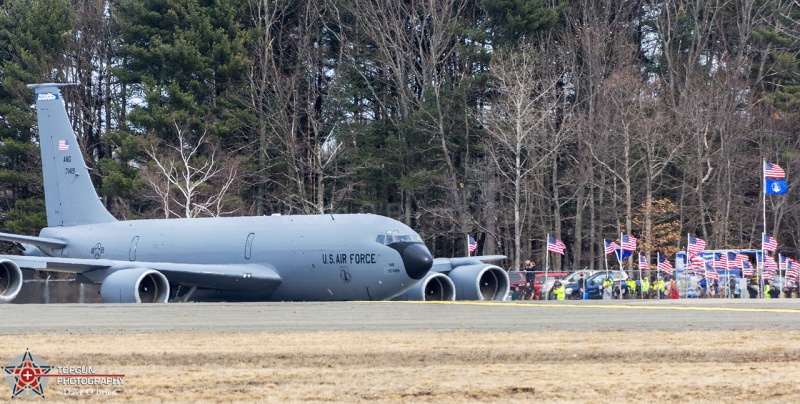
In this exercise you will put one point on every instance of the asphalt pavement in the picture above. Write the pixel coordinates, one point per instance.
(615, 315)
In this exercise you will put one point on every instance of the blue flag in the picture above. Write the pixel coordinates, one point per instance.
(774, 187)
(623, 254)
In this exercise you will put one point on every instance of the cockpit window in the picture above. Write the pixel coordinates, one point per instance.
(394, 236)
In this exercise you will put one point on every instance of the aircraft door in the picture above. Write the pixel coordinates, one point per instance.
(248, 245)
(132, 250)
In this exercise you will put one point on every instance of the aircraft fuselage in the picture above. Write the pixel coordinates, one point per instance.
(318, 257)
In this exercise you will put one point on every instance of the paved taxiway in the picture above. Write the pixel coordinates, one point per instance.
(665, 315)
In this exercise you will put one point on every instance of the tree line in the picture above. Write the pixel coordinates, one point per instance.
(503, 119)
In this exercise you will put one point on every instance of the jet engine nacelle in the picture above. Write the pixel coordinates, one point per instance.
(135, 285)
(433, 287)
(10, 280)
(480, 282)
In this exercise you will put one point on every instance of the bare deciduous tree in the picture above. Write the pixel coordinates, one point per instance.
(516, 122)
(191, 178)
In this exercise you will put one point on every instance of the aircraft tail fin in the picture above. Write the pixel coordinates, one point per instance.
(69, 194)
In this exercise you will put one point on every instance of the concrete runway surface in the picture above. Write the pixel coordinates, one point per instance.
(663, 315)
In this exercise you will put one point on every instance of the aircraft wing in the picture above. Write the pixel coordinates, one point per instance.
(75, 265)
(448, 264)
(33, 240)
(230, 277)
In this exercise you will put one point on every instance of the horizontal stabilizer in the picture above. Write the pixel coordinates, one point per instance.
(33, 240)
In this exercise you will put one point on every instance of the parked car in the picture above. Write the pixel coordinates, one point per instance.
(594, 283)
(516, 279)
(551, 277)
(571, 278)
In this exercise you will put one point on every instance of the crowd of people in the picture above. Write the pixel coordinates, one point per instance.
(656, 287)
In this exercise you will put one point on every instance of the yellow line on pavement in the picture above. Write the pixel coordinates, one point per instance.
(605, 306)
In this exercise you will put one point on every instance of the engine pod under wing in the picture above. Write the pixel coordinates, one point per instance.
(135, 285)
(10, 280)
(480, 282)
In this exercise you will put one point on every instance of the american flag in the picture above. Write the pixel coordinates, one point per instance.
(747, 269)
(773, 171)
(721, 260)
(473, 245)
(555, 245)
(783, 261)
(696, 245)
(63, 145)
(664, 265)
(627, 242)
(711, 273)
(643, 263)
(770, 263)
(731, 262)
(792, 268)
(696, 261)
(740, 259)
(768, 243)
(611, 246)
(769, 274)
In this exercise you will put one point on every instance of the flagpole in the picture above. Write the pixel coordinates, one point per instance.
(727, 276)
(764, 195)
(764, 216)
(658, 274)
(685, 270)
(640, 270)
(469, 253)
(546, 267)
(605, 257)
(763, 263)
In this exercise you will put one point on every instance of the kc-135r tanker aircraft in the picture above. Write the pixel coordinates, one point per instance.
(322, 257)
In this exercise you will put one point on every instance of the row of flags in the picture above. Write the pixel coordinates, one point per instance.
(736, 260)
(774, 183)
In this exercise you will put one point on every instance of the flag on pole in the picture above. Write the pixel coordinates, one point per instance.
(696, 245)
(740, 259)
(664, 265)
(775, 187)
(768, 243)
(643, 263)
(732, 261)
(747, 268)
(555, 245)
(792, 268)
(473, 245)
(696, 262)
(766, 262)
(611, 246)
(721, 260)
(628, 243)
(711, 273)
(773, 171)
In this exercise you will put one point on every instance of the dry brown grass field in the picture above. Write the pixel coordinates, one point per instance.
(400, 367)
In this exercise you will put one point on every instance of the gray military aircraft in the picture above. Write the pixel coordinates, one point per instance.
(266, 258)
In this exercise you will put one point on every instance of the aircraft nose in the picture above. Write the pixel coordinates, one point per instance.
(416, 258)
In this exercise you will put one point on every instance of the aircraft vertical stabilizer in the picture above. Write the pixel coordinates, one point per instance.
(70, 196)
